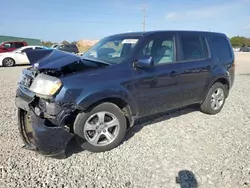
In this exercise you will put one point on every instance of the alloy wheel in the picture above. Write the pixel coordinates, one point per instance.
(101, 128)
(8, 62)
(217, 99)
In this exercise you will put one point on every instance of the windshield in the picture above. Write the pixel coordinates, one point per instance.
(113, 50)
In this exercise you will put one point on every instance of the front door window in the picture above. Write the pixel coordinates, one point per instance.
(161, 49)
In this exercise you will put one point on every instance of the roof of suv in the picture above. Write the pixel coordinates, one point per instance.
(148, 33)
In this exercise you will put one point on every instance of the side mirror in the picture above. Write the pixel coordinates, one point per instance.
(146, 61)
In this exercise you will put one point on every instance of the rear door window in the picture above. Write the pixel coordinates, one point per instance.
(18, 44)
(193, 48)
(221, 48)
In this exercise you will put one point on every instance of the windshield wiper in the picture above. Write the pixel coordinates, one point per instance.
(96, 61)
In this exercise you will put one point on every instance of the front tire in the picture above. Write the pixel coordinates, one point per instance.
(101, 129)
(215, 99)
(8, 62)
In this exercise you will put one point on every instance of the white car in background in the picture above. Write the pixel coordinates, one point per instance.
(18, 56)
(236, 49)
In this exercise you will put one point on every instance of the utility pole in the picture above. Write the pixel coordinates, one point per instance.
(144, 18)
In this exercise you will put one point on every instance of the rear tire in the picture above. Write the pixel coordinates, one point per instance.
(101, 129)
(215, 99)
(8, 62)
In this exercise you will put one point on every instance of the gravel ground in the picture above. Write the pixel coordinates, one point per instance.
(203, 150)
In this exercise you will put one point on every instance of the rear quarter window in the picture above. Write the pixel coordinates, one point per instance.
(221, 48)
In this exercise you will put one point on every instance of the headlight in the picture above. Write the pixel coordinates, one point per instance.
(45, 85)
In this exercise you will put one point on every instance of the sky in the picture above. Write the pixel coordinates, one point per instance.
(58, 20)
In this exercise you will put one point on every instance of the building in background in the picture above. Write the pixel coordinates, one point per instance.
(29, 41)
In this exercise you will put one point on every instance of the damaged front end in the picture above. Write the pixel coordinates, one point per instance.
(44, 125)
(46, 100)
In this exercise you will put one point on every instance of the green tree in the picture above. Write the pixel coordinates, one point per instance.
(239, 41)
(248, 42)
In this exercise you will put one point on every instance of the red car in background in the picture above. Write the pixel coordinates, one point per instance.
(10, 46)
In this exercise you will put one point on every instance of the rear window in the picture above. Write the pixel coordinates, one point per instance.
(221, 48)
(193, 48)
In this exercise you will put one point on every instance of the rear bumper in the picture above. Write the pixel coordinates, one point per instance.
(38, 133)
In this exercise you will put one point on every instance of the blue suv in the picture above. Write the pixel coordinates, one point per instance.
(98, 96)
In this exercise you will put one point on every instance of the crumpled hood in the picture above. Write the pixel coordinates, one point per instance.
(51, 58)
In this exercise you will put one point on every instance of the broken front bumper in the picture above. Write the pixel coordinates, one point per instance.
(39, 133)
